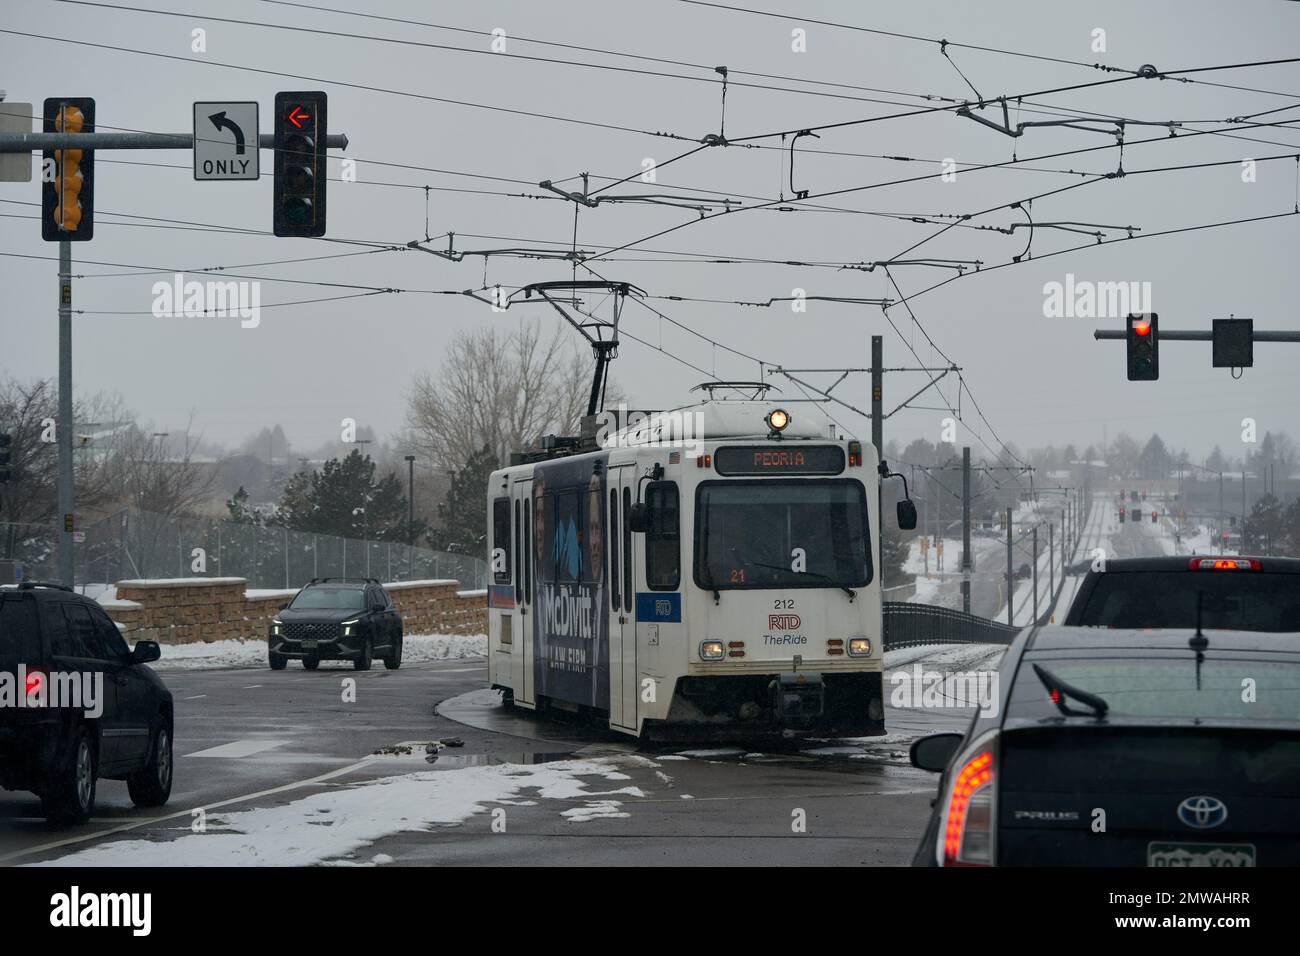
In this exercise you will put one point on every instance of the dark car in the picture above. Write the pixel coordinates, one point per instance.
(79, 704)
(1125, 748)
(337, 619)
(1228, 593)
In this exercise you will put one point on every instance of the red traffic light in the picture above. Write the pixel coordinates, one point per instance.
(296, 115)
(1141, 326)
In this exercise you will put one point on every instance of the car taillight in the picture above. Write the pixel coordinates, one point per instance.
(968, 830)
(36, 681)
(1223, 564)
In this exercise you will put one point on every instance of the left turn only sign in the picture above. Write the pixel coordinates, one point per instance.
(226, 141)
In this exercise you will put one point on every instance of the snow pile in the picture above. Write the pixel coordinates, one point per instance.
(337, 823)
(416, 648)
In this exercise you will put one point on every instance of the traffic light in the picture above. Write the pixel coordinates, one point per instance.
(1143, 348)
(1153, 517)
(68, 175)
(300, 124)
(1121, 515)
(5, 470)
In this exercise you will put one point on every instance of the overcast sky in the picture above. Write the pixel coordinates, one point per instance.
(1039, 380)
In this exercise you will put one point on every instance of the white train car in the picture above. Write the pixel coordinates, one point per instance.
(709, 572)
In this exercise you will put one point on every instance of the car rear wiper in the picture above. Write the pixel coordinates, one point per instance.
(1060, 690)
(816, 574)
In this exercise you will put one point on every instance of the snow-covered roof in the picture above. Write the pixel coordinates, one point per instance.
(711, 420)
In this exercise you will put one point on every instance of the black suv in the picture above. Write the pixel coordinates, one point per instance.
(1224, 592)
(77, 704)
(337, 619)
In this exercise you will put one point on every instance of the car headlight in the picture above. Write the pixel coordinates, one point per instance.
(275, 627)
(711, 650)
(347, 626)
(859, 647)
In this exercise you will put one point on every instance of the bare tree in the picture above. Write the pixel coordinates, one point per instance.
(499, 388)
(29, 500)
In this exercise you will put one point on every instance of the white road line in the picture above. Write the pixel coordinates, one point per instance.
(195, 697)
(239, 748)
(206, 807)
(251, 687)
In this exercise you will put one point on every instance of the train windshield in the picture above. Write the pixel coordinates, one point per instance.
(782, 534)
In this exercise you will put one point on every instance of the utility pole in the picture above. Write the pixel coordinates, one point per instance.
(877, 407)
(1035, 574)
(965, 529)
(1051, 567)
(410, 500)
(1011, 581)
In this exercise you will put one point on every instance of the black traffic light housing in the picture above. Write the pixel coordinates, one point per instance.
(1143, 343)
(1154, 517)
(300, 128)
(6, 469)
(68, 176)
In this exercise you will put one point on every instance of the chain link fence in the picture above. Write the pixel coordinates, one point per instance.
(138, 544)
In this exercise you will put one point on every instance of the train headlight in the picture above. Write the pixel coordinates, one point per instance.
(778, 419)
(711, 650)
(859, 647)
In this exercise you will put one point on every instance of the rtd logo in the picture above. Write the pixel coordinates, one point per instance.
(784, 622)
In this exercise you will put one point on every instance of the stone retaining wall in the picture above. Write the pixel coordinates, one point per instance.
(185, 610)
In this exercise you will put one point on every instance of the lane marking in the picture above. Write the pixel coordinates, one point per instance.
(195, 697)
(251, 687)
(206, 807)
(239, 748)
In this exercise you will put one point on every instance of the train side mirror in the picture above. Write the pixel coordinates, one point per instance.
(638, 518)
(906, 514)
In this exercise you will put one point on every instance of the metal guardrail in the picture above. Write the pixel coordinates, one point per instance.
(916, 625)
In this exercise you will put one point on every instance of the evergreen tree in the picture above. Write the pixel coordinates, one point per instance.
(463, 515)
(344, 499)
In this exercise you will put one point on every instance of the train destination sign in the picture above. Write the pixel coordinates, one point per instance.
(769, 460)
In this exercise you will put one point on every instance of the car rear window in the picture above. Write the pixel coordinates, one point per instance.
(19, 637)
(1227, 688)
(1230, 600)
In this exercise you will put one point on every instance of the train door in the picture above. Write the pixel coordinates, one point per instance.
(521, 675)
(621, 491)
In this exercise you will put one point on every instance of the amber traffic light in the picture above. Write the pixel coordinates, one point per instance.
(67, 174)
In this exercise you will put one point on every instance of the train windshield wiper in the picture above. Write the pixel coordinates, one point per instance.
(816, 574)
(1060, 690)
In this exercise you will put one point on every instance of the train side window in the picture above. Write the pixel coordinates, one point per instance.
(663, 554)
(613, 549)
(501, 539)
(517, 533)
(627, 550)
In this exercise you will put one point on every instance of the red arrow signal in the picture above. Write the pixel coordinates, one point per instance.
(296, 114)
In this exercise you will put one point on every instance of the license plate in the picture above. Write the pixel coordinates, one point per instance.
(309, 645)
(1200, 854)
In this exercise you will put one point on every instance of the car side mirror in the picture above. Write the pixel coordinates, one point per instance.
(638, 518)
(146, 652)
(935, 752)
(906, 511)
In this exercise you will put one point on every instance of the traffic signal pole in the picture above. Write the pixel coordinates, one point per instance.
(64, 429)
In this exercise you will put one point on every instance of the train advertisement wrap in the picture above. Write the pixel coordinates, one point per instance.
(570, 626)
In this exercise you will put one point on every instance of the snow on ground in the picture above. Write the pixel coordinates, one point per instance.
(334, 825)
(945, 658)
(416, 648)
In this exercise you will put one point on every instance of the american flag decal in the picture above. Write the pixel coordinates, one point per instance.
(674, 458)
